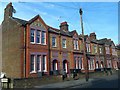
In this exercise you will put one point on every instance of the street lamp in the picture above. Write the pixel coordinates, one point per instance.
(84, 47)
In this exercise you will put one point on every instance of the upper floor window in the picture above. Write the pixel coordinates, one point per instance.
(76, 44)
(107, 50)
(88, 47)
(32, 36)
(43, 38)
(38, 38)
(64, 43)
(95, 49)
(54, 43)
(100, 49)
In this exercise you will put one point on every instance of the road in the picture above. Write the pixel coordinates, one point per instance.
(110, 81)
(103, 82)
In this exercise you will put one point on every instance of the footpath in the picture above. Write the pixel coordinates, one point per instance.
(73, 83)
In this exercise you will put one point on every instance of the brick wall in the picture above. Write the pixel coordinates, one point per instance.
(12, 48)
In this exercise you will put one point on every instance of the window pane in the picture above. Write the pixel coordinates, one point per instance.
(64, 43)
(38, 37)
(32, 35)
(32, 63)
(53, 41)
(38, 62)
(44, 62)
(43, 37)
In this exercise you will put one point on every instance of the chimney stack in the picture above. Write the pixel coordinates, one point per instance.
(64, 26)
(92, 36)
(8, 11)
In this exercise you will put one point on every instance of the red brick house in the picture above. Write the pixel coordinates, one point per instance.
(27, 43)
(32, 48)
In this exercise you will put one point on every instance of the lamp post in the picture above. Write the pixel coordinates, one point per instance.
(84, 47)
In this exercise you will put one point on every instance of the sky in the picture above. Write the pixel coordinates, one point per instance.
(98, 17)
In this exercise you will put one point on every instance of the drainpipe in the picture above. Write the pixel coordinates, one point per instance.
(24, 52)
(49, 52)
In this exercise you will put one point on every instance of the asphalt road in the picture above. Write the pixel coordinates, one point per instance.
(103, 82)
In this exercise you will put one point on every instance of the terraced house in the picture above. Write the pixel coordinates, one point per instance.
(32, 48)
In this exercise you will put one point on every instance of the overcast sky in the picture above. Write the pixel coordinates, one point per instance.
(98, 17)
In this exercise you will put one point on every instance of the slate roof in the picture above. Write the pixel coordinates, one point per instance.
(65, 33)
(21, 21)
(118, 47)
(105, 41)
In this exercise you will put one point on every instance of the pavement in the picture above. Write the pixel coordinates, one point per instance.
(74, 83)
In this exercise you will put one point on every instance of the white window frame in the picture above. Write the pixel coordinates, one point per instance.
(40, 63)
(100, 49)
(76, 44)
(64, 46)
(44, 37)
(34, 61)
(33, 36)
(45, 63)
(95, 48)
(54, 42)
(88, 47)
(39, 37)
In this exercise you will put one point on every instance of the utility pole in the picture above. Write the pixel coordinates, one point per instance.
(84, 47)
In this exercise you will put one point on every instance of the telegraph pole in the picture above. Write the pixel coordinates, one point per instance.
(84, 47)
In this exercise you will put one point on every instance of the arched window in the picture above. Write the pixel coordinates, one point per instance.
(97, 65)
(65, 65)
(55, 65)
(101, 64)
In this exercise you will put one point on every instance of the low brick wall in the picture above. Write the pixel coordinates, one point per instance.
(31, 82)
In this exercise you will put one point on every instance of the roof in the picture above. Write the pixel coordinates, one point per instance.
(21, 21)
(105, 41)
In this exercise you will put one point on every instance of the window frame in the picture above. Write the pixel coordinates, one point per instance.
(55, 42)
(64, 43)
(34, 64)
(44, 63)
(33, 36)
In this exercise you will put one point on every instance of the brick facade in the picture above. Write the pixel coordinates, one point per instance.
(62, 49)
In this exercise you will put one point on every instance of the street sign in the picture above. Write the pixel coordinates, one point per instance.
(4, 80)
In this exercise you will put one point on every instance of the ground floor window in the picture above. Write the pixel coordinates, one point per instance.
(109, 64)
(91, 64)
(78, 63)
(97, 65)
(32, 63)
(38, 63)
(55, 65)
(101, 64)
(65, 66)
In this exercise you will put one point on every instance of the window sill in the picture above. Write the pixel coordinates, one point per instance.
(64, 47)
(44, 71)
(39, 71)
(54, 46)
(38, 43)
(33, 72)
(32, 42)
(44, 44)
